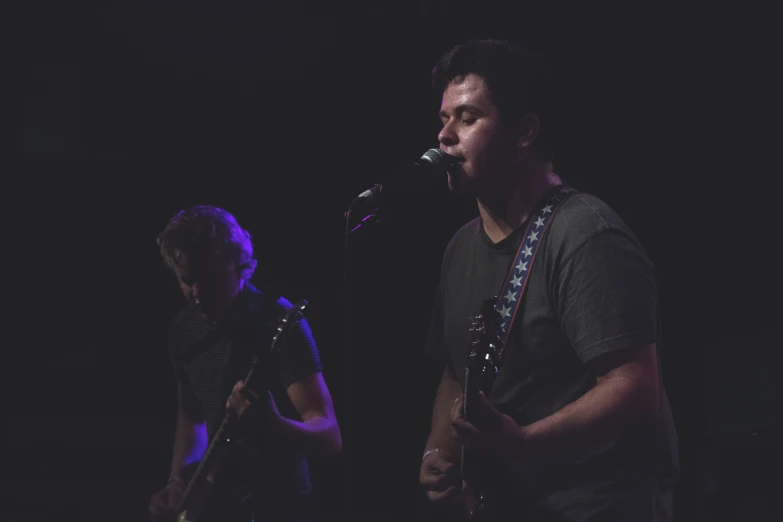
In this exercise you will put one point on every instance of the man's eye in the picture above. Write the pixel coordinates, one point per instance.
(469, 121)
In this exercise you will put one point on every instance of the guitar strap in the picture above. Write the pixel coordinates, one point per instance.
(516, 280)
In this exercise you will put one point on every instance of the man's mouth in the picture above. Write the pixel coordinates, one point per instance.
(455, 167)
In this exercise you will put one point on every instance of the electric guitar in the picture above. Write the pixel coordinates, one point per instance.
(481, 369)
(201, 484)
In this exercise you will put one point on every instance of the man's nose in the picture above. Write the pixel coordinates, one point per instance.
(447, 136)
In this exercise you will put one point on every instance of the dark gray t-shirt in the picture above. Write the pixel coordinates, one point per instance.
(209, 359)
(592, 290)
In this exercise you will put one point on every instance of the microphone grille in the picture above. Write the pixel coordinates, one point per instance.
(434, 156)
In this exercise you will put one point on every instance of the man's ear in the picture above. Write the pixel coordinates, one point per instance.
(528, 129)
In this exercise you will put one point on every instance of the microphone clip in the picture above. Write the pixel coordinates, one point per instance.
(370, 198)
(373, 218)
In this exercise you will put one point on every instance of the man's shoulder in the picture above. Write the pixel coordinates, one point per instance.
(464, 236)
(272, 302)
(271, 307)
(591, 212)
(256, 299)
(582, 217)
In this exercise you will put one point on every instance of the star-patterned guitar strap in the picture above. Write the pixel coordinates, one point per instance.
(516, 281)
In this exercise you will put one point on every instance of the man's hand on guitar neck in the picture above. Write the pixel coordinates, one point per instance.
(500, 434)
(243, 398)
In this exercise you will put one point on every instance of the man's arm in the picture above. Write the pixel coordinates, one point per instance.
(190, 441)
(627, 393)
(441, 435)
(606, 300)
(318, 431)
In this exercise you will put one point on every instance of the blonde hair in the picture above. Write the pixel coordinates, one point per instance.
(205, 230)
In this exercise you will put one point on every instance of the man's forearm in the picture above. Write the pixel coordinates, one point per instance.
(441, 436)
(318, 434)
(611, 406)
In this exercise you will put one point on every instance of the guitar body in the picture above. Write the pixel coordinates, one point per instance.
(203, 500)
(481, 369)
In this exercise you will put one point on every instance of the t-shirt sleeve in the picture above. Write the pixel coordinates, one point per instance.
(606, 296)
(435, 344)
(188, 402)
(299, 356)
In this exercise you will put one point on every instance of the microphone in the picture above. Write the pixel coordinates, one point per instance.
(433, 161)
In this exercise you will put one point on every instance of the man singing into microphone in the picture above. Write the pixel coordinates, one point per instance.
(578, 422)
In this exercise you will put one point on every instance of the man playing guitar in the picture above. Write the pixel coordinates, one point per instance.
(577, 425)
(212, 343)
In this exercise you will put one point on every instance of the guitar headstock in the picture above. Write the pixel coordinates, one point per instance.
(486, 336)
(289, 319)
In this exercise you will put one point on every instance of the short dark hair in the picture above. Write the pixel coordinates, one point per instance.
(517, 78)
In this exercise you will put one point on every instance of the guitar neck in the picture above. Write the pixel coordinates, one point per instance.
(217, 438)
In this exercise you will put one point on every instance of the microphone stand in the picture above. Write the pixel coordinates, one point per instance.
(370, 218)
(347, 374)
(371, 198)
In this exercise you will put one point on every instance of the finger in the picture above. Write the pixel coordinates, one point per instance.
(466, 432)
(249, 394)
(456, 407)
(240, 406)
(489, 414)
(174, 497)
(238, 403)
(439, 496)
(435, 481)
(438, 466)
(486, 405)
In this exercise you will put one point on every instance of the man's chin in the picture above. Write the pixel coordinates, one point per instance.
(461, 184)
(455, 181)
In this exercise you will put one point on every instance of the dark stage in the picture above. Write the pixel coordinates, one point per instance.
(282, 115)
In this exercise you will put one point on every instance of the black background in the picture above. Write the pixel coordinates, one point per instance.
(282, 113)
